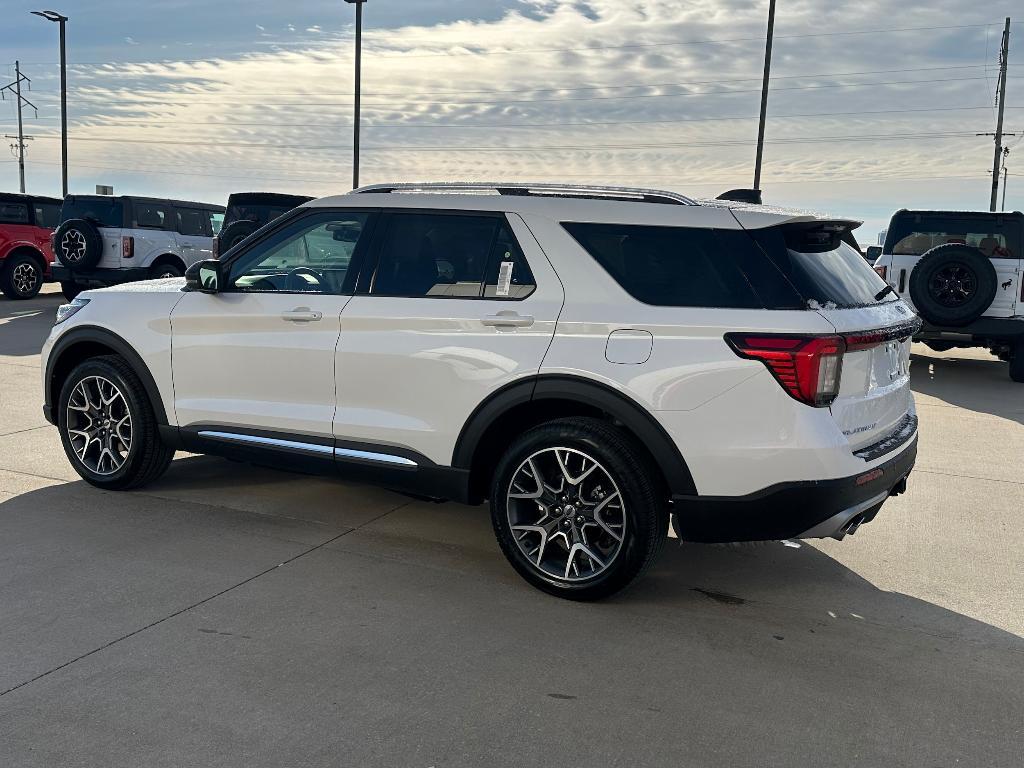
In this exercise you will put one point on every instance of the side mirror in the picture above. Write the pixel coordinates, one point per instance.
(205, 276)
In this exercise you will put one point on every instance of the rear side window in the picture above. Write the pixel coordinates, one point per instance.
(101, 211)
(687, 267)
(193, 222)
(13, 213)
(912, 234)
(435, 255)
(47, 215)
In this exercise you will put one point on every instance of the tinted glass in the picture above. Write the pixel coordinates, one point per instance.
(434, 255)
(829, 273)
(312, 255)
(913, 234)
(150, 215)
(255, 212)
(193, 222)
(13, 213)
(47, 215)
(216, 221)
(508, 274)
(101, 211)
(686, 267)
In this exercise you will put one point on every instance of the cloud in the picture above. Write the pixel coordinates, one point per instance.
(131, 41)
(261, 28)
(580, 91)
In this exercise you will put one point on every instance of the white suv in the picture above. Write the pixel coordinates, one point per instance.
(591, 360)
(105, 240)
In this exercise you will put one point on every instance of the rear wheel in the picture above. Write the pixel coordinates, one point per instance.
(574, 510)
(108, 428)
(21, 276)
(161, 271)
(1017, 362)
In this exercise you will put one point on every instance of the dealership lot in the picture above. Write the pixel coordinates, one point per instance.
(234, 615)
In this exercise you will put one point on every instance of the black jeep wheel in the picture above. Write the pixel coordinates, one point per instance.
(21, 276)
(953, 284)
(575, 511)
(78, 244)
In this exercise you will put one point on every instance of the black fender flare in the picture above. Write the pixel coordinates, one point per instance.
(96, 335)
(588, 392)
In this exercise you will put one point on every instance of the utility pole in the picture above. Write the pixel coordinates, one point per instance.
(61, 20)
(15, 88)
(359, 87)
(764, 94)
(1006, 155)
(1004, 54)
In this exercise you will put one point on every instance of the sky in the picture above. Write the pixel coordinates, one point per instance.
(874, 106)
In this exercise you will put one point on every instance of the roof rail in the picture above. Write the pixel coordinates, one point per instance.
(629, 194)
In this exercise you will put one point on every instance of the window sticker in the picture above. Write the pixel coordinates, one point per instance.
(505, 277)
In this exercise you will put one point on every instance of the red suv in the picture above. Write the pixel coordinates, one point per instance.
(26, 224)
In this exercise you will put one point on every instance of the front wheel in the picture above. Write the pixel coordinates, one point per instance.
(108, 428)
(575, 510)
(21, 277)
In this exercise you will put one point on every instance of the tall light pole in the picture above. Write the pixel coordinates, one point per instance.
(61, 19)
(764, 93)
(359, 86)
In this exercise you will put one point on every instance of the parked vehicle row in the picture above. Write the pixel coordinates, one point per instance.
(26, 224)
(592, 361)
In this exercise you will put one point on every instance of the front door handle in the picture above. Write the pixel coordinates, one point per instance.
(301, 315)
(507, 319)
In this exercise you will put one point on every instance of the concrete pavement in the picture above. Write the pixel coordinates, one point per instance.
(231, 615)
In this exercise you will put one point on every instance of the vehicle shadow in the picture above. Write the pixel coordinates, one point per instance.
(24, 325)
(968, 379)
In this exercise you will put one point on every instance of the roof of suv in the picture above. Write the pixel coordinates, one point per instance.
(959, 214)
(571, 202)
(21, 197)
(161, 200)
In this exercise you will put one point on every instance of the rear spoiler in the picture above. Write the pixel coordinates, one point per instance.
(752, 196)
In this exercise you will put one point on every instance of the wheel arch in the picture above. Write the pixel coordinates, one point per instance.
(519, 406)
(18, 249)
(168, 258)
(80, 344)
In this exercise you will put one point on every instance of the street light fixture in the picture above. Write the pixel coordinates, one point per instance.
(61, 19)
(359, 64)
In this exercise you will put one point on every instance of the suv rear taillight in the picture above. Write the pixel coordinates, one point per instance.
(807, 367)
(127, 247)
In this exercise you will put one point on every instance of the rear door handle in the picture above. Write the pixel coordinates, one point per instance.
(508, 319)
(301, 315)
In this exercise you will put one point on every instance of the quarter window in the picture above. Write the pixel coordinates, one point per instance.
(47, 215)
(449, 255)
(311, 255)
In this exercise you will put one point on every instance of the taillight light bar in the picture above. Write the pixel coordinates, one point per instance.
(809, 368)
(127, 247)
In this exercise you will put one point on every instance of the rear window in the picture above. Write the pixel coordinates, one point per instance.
(256, 213)
(13, 213)
(912, 234)
(687, 267)
(47, 215)
(824, 269)
(101, 211)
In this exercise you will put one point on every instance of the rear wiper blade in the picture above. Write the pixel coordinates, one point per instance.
(884, 292)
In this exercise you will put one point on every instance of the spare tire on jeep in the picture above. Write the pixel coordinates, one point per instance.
(953, 284)
(234, 233)
(78, 244)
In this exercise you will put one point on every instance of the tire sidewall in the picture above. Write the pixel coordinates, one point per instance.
(630, 559)
(933, 261)
(93, 244)
(136, 407)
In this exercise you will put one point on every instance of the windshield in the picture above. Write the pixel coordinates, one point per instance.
(828, 274)
(101, 211)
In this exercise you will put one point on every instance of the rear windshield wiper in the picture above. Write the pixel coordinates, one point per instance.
(884, 292)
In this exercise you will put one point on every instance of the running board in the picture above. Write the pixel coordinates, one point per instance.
(344, 454)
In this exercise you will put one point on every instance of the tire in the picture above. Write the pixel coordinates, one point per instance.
(953, 284)
(624, 539)
(21, 276)
(94, 437)
(939, 346)
(78, 244)
(70, 289)
(161, 271)
(1017, 362)
(234, 233)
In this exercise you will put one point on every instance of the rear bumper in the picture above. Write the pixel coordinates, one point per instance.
(100, 276)
(798, 510)
(995, 328)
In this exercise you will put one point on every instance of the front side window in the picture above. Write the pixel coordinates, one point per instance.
(192, 222)
(312, 255)
(13, 213)
(440, 255)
